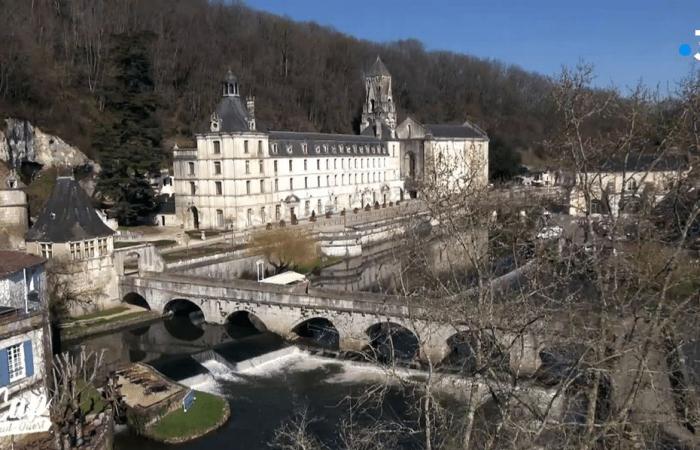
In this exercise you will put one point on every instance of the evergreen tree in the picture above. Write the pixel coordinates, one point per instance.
(128, 142)
(504, 161)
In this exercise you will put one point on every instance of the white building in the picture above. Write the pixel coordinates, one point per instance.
(239, 177)
(625, 187)
(25, 346)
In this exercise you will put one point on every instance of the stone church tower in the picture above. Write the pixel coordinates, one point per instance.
(378, 112)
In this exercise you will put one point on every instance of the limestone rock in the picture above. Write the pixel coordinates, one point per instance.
(21, 141)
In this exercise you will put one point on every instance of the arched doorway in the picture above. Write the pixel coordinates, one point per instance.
(195, 217)
(319, 331)
(392, 342)
(133, 298)
(243, 323)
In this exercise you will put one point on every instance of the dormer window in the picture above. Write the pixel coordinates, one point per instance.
(215, 124)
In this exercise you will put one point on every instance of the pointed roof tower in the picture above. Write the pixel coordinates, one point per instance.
(68, 216)
(378, 69)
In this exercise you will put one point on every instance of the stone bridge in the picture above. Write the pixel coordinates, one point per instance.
(284, 309)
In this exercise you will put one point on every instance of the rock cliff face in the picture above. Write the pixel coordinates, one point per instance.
(20, 142)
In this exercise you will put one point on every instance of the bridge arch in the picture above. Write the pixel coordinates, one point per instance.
(133, 298)
(185, 319)
(319, 330)
(468, 350)
(391, 341)
(242, 323)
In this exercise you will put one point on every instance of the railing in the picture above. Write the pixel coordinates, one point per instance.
(189, 153)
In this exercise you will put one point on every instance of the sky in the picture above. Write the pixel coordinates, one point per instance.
(625, 40)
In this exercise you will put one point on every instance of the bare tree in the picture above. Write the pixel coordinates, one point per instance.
(72, 391)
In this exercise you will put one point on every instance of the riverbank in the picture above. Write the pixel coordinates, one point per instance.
(106, 321)
(166, 411)
(208, 413)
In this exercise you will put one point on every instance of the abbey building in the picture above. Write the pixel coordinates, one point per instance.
(241, 177)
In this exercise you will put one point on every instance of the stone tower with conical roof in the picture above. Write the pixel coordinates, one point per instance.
(378, 112)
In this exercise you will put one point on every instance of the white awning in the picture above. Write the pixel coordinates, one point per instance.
(285, 278)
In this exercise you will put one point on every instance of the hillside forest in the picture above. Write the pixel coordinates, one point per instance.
(129, 78)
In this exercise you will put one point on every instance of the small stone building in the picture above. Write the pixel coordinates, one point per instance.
(79, 246)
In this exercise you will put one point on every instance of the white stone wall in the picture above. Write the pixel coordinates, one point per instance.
(15, 288)
(455, 163)
(37, 337)
(253, 185)
(617, 183)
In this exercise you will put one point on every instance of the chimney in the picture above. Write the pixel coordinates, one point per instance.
(250, 106)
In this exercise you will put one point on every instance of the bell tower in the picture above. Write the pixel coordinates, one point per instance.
(379, 106)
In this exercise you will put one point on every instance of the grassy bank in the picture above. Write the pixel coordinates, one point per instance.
(207, 413)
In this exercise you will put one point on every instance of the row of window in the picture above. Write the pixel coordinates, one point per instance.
(246, 147)
(78, 250)
(318, 148)
(278, 212)
(335, 148)
(375, 163)
(374, 177)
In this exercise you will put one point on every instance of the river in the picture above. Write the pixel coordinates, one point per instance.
(261, 398)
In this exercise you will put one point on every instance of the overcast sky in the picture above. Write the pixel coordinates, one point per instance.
(626, 40)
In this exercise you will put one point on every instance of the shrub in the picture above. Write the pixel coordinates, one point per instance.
(282, 223)
(367, 207)
(342, 213)
(391, 203)
(328, 214)
(294, 220)
(268, 226)
(312, 218)
(376, 205)
(355, 210)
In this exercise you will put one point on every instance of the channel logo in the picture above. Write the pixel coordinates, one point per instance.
(687, 49)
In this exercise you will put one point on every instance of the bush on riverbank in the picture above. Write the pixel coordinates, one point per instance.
(207, 413)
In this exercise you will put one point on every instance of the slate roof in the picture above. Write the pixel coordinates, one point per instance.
(643, 163)
(386, 131)
(466, 130)
(378, 69)
(12, 262)
(68, 216)
(232, 113)
(290, 143)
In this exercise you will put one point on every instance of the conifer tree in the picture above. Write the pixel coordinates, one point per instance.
(128, 141)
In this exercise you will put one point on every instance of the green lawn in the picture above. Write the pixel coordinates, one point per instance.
(205, 413)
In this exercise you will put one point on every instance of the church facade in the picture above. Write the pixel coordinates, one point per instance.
(239, 177)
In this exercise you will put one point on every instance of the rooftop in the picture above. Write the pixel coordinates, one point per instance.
(466, 130)
(12, 262)
(232, 114)
(290, 143)
(285, 278)
(68, 216)
(645, 162)
(378, 69)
